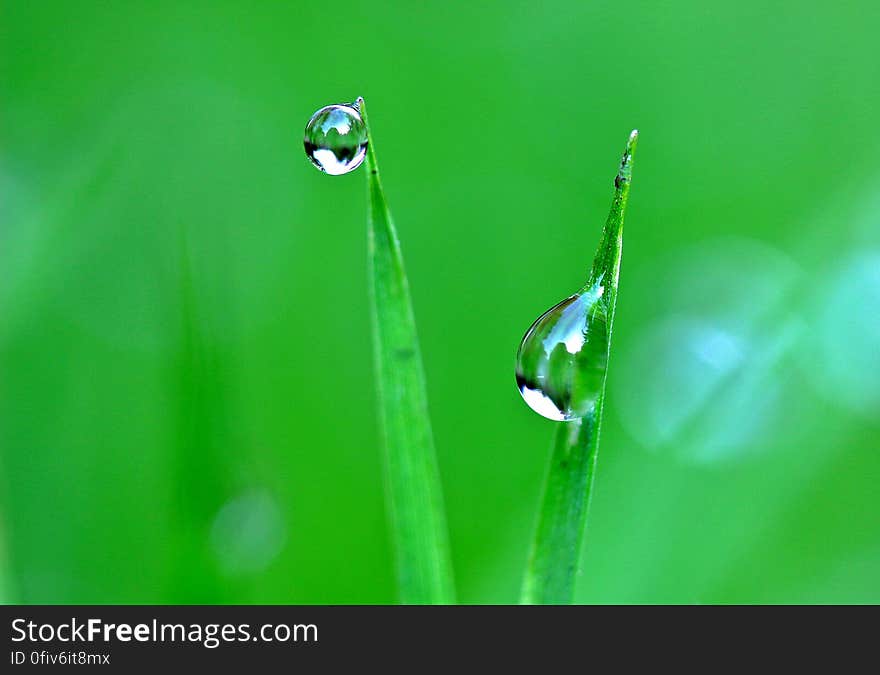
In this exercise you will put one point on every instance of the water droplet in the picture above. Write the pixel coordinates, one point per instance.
(336, 139)
(561, 362)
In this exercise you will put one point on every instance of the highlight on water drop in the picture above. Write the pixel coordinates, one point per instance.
(336, 139)
(561, 361)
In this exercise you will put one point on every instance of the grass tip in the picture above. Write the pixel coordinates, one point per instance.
(624, 173)
(631, 143)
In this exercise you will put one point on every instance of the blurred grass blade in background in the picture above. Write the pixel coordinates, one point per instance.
(550, 575)
(413, 491)
(200, 469)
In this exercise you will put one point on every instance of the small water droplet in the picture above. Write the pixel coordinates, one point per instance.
(336, 139)
(561, 362)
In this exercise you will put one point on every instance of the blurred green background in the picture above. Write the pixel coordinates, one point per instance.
(186, 388)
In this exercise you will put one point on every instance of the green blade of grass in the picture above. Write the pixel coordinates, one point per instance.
(198, 467)
(412, 482)
(550, 575)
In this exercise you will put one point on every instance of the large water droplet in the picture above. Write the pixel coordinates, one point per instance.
(561, 362)
(336, 139)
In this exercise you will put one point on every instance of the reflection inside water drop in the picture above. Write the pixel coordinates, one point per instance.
(562, 358)
(336, 139)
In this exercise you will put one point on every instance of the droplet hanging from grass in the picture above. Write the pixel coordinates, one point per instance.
(563, 357)
(336, 139)
(561, 361)
(561, 367)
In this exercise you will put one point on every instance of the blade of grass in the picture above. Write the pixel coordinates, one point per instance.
(550, 575)
(197, 469)
(412, 482)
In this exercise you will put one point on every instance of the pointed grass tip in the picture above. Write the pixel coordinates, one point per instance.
(624, 173)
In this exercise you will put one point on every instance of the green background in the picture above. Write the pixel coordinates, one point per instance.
(187, 405)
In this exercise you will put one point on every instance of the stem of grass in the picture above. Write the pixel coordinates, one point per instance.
(552, 566)
(412, 482)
